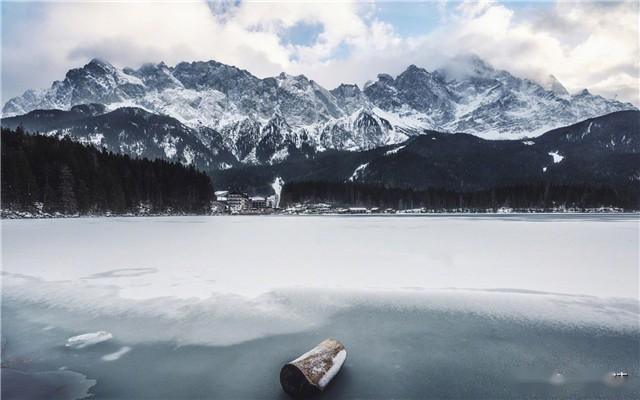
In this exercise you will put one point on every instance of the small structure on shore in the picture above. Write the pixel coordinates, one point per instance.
(310, 373)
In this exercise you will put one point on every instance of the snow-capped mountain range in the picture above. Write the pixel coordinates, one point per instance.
(254, 121)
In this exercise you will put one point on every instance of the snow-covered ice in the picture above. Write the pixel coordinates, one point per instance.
(189, 257)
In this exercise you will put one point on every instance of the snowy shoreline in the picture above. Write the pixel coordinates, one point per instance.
(12, 215)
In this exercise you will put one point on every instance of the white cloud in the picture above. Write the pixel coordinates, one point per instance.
(584, 45)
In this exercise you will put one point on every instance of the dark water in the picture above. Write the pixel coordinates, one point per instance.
(392, 353)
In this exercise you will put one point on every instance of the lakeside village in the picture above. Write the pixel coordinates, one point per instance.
(239, 203)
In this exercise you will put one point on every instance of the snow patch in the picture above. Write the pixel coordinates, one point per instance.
(189, 155)
(280, 155)
(357, 173)
(394, 151)
(556, 156)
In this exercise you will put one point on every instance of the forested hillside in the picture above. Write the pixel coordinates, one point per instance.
(47, 175)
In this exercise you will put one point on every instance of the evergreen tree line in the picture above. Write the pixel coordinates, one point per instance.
(51, 175)
(526, 196)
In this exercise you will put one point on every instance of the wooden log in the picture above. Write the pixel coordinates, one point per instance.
(310, 373)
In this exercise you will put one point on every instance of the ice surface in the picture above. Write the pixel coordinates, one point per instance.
(166, 270)
(194, 257)
(415, 300)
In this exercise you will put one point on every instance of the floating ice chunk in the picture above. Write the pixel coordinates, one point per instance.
(528, 143)
(116, 355)
(88, 339)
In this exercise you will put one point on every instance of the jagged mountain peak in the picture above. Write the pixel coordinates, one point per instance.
(95, 66)
(346, 86)
(100, 63)
(385, 78)
(553, 84)
(414, 69)
(467, 66)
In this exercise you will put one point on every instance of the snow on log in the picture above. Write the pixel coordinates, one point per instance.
(310, 373)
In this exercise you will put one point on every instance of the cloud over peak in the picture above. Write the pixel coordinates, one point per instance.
(592, 45)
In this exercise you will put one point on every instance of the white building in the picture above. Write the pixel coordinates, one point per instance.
(238, 201)
(258, 202)
(221, 195)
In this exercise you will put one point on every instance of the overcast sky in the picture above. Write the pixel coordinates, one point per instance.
(585, 45)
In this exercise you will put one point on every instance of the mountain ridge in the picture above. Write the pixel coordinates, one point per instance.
(212, 99)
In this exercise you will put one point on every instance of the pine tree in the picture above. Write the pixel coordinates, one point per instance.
(68, 201)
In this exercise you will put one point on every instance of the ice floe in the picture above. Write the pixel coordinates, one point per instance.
(88, 339)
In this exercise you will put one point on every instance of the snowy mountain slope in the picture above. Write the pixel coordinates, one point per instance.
(268, 120)
(131, 131)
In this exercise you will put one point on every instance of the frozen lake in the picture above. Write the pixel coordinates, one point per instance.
(429, 306)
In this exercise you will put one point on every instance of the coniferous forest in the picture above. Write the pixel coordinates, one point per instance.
(42, 174)
(526, 196)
